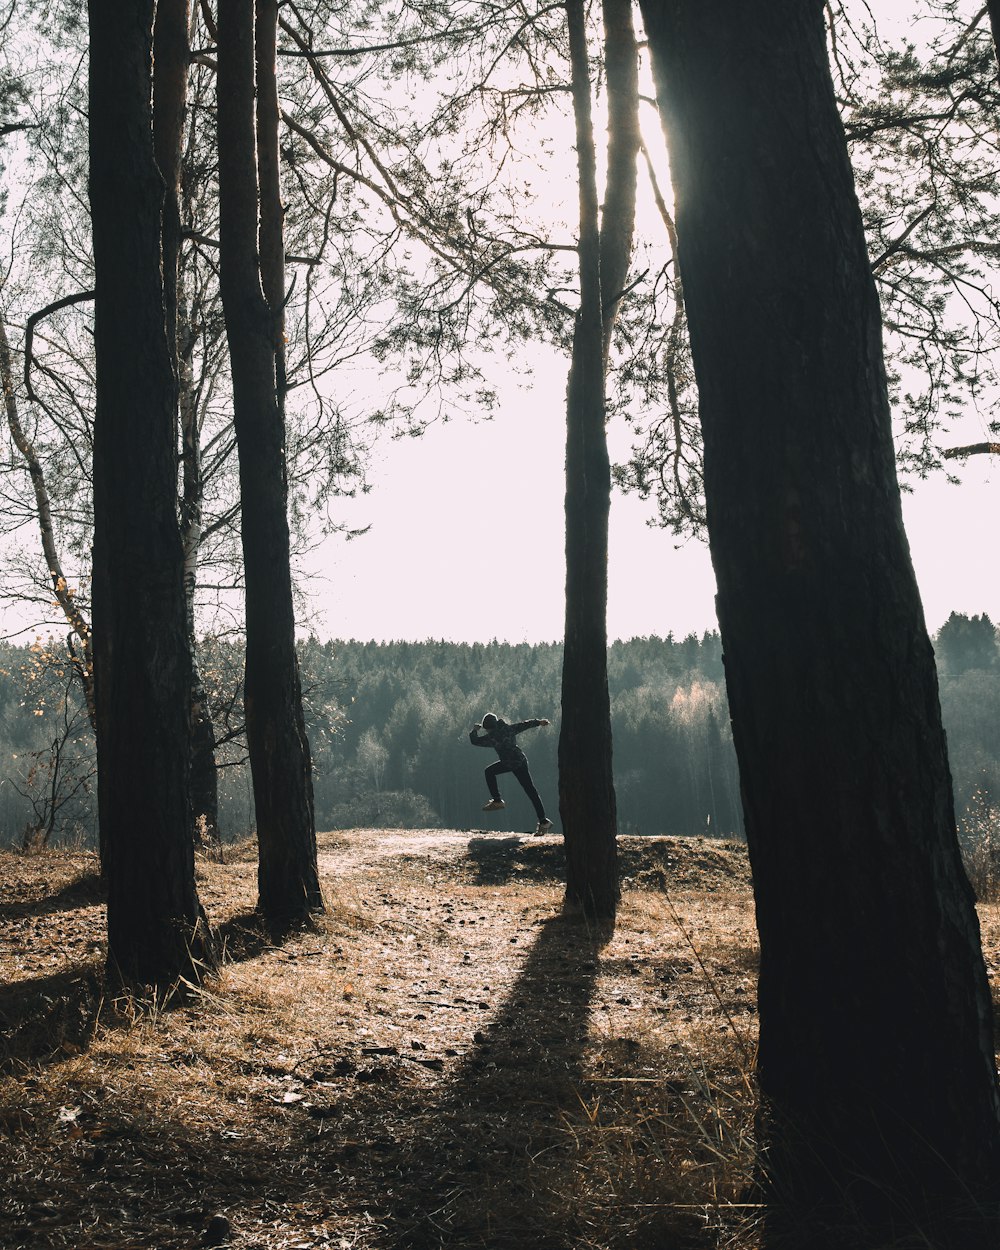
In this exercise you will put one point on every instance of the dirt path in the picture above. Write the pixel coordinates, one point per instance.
(363, 849)
(446, 1061)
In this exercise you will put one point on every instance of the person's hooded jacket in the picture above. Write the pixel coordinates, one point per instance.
(503, 739)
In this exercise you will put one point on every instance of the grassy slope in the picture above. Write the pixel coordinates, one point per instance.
(447, 1061)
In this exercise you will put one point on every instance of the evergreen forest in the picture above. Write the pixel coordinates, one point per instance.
(388, 723)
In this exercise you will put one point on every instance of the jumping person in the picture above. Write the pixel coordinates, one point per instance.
(496, 733)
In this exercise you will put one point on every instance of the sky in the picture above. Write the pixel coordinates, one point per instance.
(466, 539)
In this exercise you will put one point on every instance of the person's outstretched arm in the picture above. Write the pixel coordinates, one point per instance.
(529, 724)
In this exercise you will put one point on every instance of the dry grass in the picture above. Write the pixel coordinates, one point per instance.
(980, 836)
(447, 1061)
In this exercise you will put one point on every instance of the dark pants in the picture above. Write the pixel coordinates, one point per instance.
(520, 771)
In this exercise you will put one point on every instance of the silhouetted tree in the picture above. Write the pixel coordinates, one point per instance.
(879, 1119)
(586, 783)
(288, 880)
(156, 929)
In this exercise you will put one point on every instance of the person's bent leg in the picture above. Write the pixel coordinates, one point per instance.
(491, 775)
(524, 777)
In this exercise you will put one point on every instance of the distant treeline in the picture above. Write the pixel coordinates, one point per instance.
(388, 725)
(403, 756)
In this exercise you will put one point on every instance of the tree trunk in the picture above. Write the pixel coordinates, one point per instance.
(621, 69)
(204, 774)
(279, 751)
(272, 215)
(171, 61)
(171, 58)
(156, 928)
(586, 783)
(876, 1065)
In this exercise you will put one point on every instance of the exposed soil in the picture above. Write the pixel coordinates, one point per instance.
(446, 1061)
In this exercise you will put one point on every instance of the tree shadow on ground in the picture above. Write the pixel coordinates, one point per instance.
(49, 1017)
(248, 934)
(87, 890)
(486, 1165)
(245, 936)
(500, 860)
(378, 1152)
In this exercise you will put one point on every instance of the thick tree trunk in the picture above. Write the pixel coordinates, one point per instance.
(586, 783)
(876, 1066)
(156, 929)
(279, 751)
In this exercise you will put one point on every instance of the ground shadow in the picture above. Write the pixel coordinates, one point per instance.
(480, 1158)
(485, 1164)
(245, 936)
(500, 860)
(49, 1017)
(87, 890)
(477, 1161)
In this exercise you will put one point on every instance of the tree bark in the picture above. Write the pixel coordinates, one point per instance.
(586, 783)
(171, 56)
(621, 69)
(156, 928)
(272, 214)
(288, 879)
(204, 773)
(972, 449)
(171, 61)
(876, 1065)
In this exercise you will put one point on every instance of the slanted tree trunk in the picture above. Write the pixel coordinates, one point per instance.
(586, 783)
(156, 928)
(876, 1066)
(288, 879)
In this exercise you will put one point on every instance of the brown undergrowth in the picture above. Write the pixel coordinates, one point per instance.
(448, 1061)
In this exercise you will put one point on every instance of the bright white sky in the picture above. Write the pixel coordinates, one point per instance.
(467, 525)
(467, 540)
(467, 522)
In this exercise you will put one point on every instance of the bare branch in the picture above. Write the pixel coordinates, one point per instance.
(29, 332)
(897, 244)
(974, 449)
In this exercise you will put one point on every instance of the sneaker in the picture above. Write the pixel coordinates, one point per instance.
(543, 826)
(494, 805)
